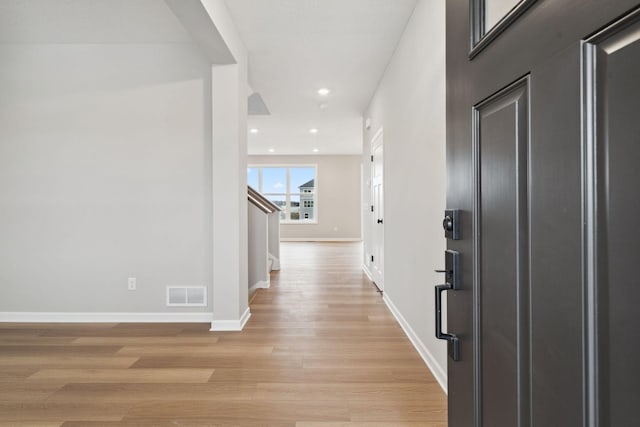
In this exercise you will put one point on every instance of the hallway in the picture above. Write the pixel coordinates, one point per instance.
(320, 350)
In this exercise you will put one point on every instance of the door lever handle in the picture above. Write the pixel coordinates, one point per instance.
(452, 340)
(451, 269)
(379, 221)
(452, 279)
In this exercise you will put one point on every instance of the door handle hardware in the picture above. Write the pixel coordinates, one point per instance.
(451, 269)
(453, 342)
(452, 278)
(451, 224)
(447, 223)
(379, 221)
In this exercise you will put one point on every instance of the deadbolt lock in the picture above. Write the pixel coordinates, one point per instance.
(451, 224)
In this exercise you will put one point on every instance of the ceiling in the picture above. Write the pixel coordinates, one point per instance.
(89, 21)
(299, 46)
(295, 48)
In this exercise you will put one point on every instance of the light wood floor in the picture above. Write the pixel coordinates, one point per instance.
(321, 350)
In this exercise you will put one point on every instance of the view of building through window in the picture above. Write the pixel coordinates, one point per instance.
(292, 188)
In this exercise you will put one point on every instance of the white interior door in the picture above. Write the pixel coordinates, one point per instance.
(377, 213)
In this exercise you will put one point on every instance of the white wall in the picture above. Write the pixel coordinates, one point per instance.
(230, 215)
(338, 198)
(409, 105)
(105, 174)
(123, 157)
(258, 248)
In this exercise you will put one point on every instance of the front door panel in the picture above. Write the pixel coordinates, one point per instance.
(502, 297)
(615, 59)
(556, 242)
(545, 173)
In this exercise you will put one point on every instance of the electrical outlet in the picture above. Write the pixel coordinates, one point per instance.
(131, 284)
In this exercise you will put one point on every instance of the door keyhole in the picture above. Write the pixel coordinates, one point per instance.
(447, 223)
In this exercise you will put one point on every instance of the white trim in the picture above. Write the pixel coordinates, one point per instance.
(231, 325)
(299, 222)
(275, 265)
(73, 317)
(321, 239)
(379, 135)
(367, 272)
(263, 284)
(280, 165)
(438, 372)
(376, 136)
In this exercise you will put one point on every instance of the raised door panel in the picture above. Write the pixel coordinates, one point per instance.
(556, 242)
(615, 59)
(502, 285)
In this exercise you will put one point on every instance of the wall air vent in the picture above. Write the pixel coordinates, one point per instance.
(186, 296)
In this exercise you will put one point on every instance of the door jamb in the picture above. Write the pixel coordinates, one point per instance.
(379, 134)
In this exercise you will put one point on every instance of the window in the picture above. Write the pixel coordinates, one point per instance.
(495, 10)
(489, 18)
(292, 188)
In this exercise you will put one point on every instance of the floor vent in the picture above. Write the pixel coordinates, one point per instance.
(186, 296)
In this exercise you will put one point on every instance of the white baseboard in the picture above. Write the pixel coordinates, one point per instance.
(275, 265)
(367, 272)
(231, 325)
(260, 285)
(320, 239)
(60, 317)
(438, 372)
(378, 285)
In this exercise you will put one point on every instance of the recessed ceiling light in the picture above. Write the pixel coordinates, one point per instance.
(272, 150)
(313, 130)
(254, 130)
(323, 91)
(315, 150)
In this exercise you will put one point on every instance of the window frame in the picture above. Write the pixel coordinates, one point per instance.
(481, 37)
(287, 194)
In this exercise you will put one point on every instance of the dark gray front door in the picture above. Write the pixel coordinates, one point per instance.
(543, 159)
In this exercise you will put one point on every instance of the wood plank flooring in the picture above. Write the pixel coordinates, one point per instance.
(320, 350)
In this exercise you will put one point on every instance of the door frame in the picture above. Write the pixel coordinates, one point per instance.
(378, 278)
